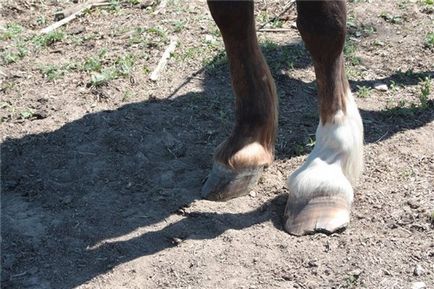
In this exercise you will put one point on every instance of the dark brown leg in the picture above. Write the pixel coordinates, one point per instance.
(239, 160)
(321, 189)
(322, 25)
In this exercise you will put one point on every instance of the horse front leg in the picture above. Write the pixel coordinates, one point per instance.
(321, 190)
(239, 160)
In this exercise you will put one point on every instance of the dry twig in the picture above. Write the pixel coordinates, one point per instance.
(285, 9)
(163, 60)
(73, 13)
(161, 7)
(274, 30)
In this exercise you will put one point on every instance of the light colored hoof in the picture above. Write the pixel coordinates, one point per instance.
(323, 214)
(224, 184)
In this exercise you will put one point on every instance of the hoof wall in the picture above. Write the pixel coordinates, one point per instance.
(325, 214)
(225, 184)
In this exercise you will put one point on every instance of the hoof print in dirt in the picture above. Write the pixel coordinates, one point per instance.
(224, 184)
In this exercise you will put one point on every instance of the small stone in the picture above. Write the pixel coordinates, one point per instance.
(381, 87)
(418, 285)
(77, 30)
(252, 194)
(209, 38)
(175, 147)
(145, 4)
(312, 263)
(40, 114)
(418, 270)
(413, 204)
(356, 272)
(176, 241)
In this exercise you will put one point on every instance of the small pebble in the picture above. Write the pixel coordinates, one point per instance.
(418, 285)
(356, 272)
(252, 194)
(146, 4)
(381, 87)
(176, 241)
(413, 204)
(418, 270)
(209, 38)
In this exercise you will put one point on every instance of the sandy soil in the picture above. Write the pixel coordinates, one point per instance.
(101, 181)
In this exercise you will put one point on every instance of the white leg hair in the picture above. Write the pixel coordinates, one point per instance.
(336, 161)
(329, 172)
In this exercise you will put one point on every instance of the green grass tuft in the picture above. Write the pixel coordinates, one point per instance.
(48, 39)
(11, 32)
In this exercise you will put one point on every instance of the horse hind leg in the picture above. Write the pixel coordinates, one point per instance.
(239, 160)
(321, 190)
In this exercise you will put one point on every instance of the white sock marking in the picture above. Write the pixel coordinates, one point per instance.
(336, 161)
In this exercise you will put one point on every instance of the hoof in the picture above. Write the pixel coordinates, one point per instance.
(324, 214)
(225, 184)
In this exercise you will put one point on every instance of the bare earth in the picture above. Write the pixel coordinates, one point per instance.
(101, 179)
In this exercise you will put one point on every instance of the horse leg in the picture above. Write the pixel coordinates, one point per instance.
(239, 160)
(321, 191)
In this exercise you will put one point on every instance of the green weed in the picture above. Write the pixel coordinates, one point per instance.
(425, 91)
(178, 25)
(402, 75)
(11, 32)
(26, 114)
(137, 36)
(41, 20)
(429, 40)
(94, 63)
(98, 79)
(158, 32)
(124, 65)
(394, 87)
(115, 5)
(48, 39)
(189, 53)
(52, 72)
(100, 75)
(350, 49)
(394, 19)
(15, 54)
(127, 95)
(363, 91)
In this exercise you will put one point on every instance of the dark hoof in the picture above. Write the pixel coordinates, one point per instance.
(225, 184)
(325, 214)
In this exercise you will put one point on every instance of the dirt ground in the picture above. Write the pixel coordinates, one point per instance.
(101, 168)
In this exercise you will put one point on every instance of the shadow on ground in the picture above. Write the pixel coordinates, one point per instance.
(112, 172)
